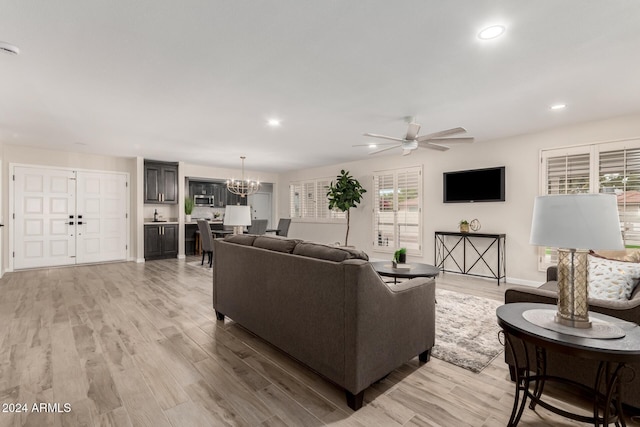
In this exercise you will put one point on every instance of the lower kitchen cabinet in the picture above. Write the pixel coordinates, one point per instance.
(190, 239)
(160, 241)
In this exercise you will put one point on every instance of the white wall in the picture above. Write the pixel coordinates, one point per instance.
(519, 154)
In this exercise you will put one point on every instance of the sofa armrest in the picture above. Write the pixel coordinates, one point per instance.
(386, 325)
(628, 310)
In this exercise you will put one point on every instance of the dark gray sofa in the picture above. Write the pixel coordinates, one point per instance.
(564, 366)
(324, 306)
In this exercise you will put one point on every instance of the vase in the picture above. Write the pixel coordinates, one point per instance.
(402, 258)
(187, 218)
(464, 228)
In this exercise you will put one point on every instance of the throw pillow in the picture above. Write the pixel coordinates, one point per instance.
(612, 280)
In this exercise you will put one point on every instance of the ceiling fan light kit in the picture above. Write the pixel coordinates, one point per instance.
(412, 141)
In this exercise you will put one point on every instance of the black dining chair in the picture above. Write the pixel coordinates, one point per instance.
(258, 226)
(283, 227)
(206, 237)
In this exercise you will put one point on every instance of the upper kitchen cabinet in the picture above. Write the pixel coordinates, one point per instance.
(160, 182)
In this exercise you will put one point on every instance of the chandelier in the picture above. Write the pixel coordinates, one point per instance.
(243, 187)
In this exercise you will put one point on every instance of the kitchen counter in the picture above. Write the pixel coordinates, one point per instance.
(150, 221)
(210, 221)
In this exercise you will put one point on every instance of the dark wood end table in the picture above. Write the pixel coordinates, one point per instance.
(612, 355)
(384, 268)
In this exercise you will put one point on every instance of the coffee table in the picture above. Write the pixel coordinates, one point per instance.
(384, 268)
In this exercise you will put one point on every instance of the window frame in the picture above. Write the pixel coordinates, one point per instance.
(313, 211)
(394, 176)
(547, 256)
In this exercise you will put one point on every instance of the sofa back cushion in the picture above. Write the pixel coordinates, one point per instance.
(275, 243)
(329, 253)
(241, 239)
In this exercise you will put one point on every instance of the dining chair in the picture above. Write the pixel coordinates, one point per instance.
(206, 238)
(258, 226)
(283, 226)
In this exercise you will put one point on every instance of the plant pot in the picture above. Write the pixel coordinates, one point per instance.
(402, 258)
(187, 218)
(464, 228)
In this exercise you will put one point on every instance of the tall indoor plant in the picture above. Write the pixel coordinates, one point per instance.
(188, 208)
(345, 194)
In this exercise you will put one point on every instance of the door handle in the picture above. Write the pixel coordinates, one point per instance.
(70, 222)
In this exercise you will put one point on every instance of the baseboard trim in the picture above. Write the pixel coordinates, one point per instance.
(140, 260)
(516, 281)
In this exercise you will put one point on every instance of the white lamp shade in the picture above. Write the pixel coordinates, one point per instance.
(577, 221)
(236, 215)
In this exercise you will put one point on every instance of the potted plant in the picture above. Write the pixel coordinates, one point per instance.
(400, 256)
(188, 208)
(345, 194)
(464, 226)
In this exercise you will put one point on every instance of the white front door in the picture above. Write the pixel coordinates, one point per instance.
(44, 205)
(101, 217)
(65, 217)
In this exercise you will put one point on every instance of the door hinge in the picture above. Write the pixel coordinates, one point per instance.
(14, 177)
(14, 254)
(14, 215)
(126, 247)
(126, 184)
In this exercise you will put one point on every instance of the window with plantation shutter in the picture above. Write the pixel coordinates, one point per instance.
(619, 174)
(610, 167)
(308, 201)
(397, 212)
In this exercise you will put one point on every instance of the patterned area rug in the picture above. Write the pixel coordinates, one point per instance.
(466, 330)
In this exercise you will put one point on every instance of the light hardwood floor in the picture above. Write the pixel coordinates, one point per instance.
(138, 344)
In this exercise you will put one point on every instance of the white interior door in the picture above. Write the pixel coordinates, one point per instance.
(44, 205)
(101, 217)
(261, 207)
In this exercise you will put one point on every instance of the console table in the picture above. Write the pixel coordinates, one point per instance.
(472, 257)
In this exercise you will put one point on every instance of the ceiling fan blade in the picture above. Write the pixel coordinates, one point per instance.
(434, 146)
(406, 152)
(453, 140)
(412, 131)
(385, 149)
(441, 133)
(374, 135)
(375, 144)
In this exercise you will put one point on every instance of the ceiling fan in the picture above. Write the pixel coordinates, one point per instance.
(412, 141)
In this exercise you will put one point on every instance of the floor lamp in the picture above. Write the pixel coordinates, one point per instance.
(237, 216)
(575, 223)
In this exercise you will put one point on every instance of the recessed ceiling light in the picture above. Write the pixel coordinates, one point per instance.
(9, 48)
(558, 107)
(491, 32)
(273, 122)
(372, 145)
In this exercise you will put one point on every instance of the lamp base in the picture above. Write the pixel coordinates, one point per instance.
(573, 323)
(573, 288)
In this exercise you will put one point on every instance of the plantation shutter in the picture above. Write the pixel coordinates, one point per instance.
(397, 212)
(384, 211)
(567, 173)
(295, 210)
(308, 200)
(408, 212)
(619, 174)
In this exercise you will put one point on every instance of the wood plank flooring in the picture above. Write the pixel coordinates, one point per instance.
(128, 344)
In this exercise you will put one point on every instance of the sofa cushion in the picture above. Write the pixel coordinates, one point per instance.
(329, 253)
(612, 280)
(241, 239)
(275, 243)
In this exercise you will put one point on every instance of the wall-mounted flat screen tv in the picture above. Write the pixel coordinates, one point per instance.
(477, 185)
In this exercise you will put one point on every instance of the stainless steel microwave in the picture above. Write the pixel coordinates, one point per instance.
(203, 200)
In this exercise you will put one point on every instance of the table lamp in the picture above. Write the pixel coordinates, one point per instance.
(575, 223)
(237, 216)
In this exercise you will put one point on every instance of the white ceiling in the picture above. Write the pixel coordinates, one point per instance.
(196, 80)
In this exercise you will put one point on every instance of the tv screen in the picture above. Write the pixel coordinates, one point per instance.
(477, 185)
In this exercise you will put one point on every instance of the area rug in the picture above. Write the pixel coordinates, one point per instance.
(466, 330)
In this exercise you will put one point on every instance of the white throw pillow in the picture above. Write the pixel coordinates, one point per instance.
(612, 280)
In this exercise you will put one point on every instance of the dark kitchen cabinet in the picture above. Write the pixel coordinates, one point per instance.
(190, 239)
(160, 182)
(234, 199)
(160, 241)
